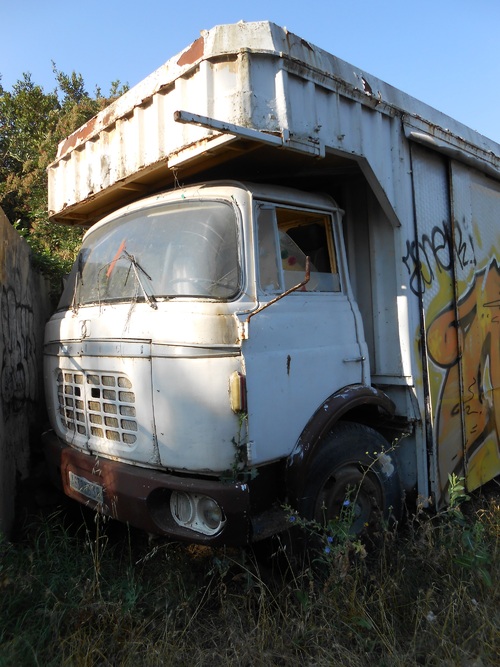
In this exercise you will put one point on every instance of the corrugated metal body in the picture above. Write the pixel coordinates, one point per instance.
(453, 268)
(252, 75)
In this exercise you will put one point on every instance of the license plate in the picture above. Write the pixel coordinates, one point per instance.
(88, 489)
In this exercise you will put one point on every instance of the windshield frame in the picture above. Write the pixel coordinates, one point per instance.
(136, 263)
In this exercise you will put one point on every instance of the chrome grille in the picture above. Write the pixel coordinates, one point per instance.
(97, 404)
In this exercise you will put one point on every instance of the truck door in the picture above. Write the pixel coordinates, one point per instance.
(307, 345)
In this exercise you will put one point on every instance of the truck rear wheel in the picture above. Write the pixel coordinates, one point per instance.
(354, 475)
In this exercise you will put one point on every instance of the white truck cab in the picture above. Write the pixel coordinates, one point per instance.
(176, 376)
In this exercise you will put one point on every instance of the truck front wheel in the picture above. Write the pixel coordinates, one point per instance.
(354, 477)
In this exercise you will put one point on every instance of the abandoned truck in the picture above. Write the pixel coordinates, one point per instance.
(289, 289)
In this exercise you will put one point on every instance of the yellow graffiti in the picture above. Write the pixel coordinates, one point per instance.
(466, 343)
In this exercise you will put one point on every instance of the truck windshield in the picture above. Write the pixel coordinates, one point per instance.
(182, 249)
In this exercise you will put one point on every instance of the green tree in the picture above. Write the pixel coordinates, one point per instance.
(32, 123)
(27, 116)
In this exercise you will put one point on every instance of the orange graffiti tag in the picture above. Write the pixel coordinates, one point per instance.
(468, 411)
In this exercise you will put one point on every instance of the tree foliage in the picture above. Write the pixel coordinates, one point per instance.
(32, 123)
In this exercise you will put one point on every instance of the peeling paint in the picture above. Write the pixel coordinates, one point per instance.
(80, 135)
(193, 53)
(366, 86)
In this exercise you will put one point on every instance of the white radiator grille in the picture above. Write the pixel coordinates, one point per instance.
(99, 405)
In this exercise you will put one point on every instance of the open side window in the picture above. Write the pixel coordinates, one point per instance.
(286, 237)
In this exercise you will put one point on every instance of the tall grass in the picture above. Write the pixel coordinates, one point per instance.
(90, 592)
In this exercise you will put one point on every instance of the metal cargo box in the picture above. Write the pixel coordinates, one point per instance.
(237, 87)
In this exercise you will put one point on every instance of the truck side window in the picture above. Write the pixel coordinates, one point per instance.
(286, 238)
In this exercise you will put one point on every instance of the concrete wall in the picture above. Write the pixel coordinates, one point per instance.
(24, 308)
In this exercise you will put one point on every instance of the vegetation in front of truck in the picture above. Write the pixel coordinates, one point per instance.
(97, 593)
(240, 470)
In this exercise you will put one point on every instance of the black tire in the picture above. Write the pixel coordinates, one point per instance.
(353, 465)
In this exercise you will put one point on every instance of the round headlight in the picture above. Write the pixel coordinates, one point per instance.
(181, 506)
(209, 512)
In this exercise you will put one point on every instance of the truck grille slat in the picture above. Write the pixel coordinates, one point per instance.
(100, 405)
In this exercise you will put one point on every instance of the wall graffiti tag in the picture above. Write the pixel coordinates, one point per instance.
(19, 366)
(24, 305)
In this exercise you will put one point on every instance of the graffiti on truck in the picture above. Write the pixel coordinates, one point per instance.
(465, 343)
(454, 270)
(430, 255)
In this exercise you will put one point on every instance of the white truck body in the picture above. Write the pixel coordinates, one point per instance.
(189, 393)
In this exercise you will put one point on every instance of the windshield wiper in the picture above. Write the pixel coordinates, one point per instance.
(78, 283)
(134, 264)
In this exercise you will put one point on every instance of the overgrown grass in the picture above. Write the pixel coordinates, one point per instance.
(89, 592)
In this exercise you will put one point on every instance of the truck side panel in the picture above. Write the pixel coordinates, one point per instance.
(453, 268)
(476, 215)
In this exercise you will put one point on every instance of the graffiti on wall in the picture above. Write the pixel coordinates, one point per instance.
(18, 345)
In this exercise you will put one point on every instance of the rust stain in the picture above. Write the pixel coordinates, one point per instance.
(83, 133)
(108, 116)
(193, 53)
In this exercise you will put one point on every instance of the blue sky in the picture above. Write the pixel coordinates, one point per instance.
(444, 52)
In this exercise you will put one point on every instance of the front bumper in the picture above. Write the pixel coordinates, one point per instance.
(141, 496)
